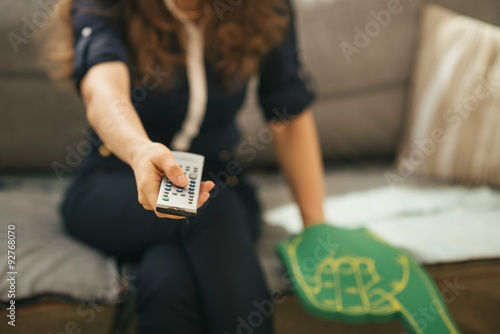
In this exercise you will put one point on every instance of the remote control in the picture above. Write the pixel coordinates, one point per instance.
(182, 201)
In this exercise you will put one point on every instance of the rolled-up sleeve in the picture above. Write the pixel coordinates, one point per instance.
(285, 90)
(97, 39)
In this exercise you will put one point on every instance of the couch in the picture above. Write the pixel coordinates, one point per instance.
(64, 286)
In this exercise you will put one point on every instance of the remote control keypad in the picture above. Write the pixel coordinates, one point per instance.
(190, 188)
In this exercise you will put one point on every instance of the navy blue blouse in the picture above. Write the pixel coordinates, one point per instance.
(282, 86)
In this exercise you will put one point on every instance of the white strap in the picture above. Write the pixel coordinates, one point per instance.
(195, 67)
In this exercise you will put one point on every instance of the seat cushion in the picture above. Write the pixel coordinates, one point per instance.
(435, 222)
(52, 262)
(48, 261)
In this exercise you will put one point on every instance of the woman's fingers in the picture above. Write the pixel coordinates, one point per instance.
(205, 189)
(173, 171)
(204, 195)
(206, 186)
(144, 201)
(162, 215)
(150, 165)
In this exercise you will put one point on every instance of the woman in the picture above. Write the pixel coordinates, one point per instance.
(159, 75)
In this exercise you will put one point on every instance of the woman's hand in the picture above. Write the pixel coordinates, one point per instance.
(106, 92)
(150, 162)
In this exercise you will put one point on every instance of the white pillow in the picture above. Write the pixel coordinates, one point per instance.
(453, 128)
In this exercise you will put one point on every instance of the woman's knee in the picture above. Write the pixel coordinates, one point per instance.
(164, 274)
(223, 210)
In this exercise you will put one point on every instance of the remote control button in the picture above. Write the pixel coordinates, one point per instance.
(165, 199)
(179, 190)
(168, 188)
(174, 194)
(191, 192)
(193, 175)
(191, 188)
(183, 195)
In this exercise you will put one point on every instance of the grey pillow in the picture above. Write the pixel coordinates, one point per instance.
(48, 261)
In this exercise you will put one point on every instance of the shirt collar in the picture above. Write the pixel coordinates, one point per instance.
(178, 14)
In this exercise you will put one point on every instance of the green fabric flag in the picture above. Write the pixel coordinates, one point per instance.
(353, 276)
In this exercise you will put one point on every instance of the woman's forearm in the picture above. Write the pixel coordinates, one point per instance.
(106, 93)
(299, 155)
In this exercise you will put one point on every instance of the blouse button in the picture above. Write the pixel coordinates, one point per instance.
(86, 31)
(233, 181)
(224, 155)
(104, 151)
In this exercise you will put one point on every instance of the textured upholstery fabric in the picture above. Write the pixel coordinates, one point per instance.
(51, 262)
(48, 261)
(454, 122)
(42, 121)
(476, 282)
(38, 120)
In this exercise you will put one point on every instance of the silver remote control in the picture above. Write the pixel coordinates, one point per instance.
(182, 201)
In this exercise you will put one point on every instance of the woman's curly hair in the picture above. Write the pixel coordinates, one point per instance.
(238, 35)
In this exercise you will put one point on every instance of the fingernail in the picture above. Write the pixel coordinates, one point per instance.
(182, 179)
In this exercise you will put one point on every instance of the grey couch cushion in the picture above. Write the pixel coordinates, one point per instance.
(38, 119)
(432, 220)
(349, 127)
(386, 60)
(20, 33)
(51, 262)
(273, 192)
(40, 124)
(361, 103)
(47, 260)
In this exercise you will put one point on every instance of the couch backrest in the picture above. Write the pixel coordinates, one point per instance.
(37, 120)
(360, 56)
(362, 77)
